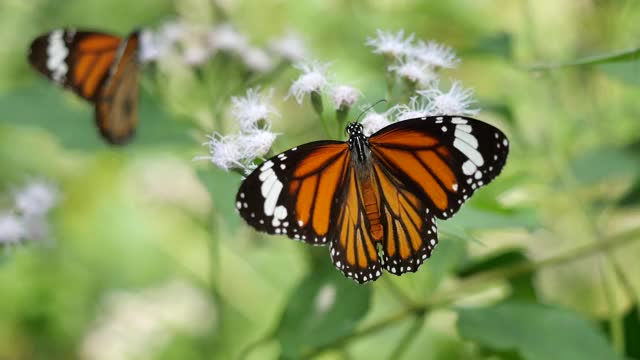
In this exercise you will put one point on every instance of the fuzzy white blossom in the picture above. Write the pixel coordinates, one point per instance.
(456, 101)
(373, 121)
(417, 107)
(390, 44)
(226, 38)
(435, 55)
(256, 144)
(137, 325)
(154, 44)
(196, 53)
(238, 151)
(415, 72)
(290, 47)
(254, 110)
(36, 198)
(257, 59)
(12, 229)
(344, 96)
(225, 152)
(313, 79)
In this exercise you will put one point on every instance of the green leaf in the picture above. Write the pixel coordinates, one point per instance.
(324, 307)
(499, 44)
(71, 119)
(632, 197)
(620, 56)
(632, 331)
(535, 331)
(222, 185)
(521, 286)
(602, 164)
(627, 72)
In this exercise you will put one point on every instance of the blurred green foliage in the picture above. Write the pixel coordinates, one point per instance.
(543, 263)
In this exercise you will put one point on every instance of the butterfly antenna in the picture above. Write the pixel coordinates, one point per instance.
(369, 108)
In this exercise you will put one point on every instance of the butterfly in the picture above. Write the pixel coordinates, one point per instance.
(100, 68)
(374, 200)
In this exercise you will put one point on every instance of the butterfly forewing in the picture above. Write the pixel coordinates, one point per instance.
(293, 193)
(78, 60)
(442, 159)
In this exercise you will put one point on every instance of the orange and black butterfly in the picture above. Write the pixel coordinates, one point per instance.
(374, 200)
(99, 67)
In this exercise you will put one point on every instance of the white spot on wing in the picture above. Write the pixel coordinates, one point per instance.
(56, 54)
(471, 153)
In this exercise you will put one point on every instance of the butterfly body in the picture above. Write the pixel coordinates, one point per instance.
(374, 200)
(100, 68)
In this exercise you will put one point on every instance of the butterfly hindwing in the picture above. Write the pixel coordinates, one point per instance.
(353, 241)
(410, 232)
(293, 193)
(116, 105)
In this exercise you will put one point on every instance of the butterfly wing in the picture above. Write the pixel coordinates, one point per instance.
(353, 241)
(427, 168)
(99, 67)
(293, 193)
(77, 60)
(117, 103)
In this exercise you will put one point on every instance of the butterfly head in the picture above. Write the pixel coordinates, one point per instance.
(357, 140)
(355, 129)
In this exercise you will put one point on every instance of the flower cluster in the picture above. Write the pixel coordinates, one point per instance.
(197, 44)
(27, 220)
(415, 63)
(254, 113)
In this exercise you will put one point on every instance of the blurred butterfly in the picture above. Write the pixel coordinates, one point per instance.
(99, 67)
(374, 200)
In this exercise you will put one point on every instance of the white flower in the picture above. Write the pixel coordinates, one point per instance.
(226, 38)
(417, 107)
(225, 152)
(313, 79)
(454, 102)
(257, 59)
(36, 198)
(435, 55)
(12, 229)
(391, 45)
(290, 47)
(344, 96)
(151, 46)
(414, 71)
(256, 144)
(253, 110)
(36, 227)
(238, 151)
(195, 54)
(172, 31)
(374, 121)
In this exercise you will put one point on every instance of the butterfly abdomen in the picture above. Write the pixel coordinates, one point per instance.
(372, 210)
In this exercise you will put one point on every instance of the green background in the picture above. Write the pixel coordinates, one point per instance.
(541, 264)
